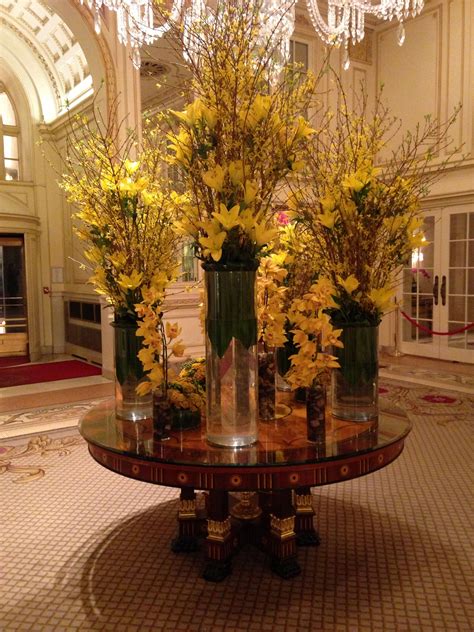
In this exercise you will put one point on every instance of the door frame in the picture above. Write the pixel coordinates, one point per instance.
(439, 346)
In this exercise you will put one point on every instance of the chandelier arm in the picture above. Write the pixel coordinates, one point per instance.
(329, 34)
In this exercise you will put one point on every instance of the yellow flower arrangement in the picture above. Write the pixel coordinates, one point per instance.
(364, 220)
(270, 301)
(238, 138)
(160, 343)
(312, 335)
(123, 210)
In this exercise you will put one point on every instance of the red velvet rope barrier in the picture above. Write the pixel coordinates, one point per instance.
(436, 333)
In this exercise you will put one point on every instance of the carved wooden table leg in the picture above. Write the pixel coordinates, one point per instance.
(219, 537)
(306, 534)
(282, 535)
(187, 540)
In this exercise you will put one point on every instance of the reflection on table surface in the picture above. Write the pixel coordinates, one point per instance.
(281, 442)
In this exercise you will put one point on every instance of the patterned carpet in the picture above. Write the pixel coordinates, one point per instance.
(84, 549)
(44, 419)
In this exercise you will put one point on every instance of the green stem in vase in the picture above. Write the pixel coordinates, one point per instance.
(231, 311)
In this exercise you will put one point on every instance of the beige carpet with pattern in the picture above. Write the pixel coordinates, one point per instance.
(84, 549)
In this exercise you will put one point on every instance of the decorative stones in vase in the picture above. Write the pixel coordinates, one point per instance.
(316, 411)
(266, 385)
(162, 415)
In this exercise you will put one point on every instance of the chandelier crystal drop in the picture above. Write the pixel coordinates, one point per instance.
(344, 23)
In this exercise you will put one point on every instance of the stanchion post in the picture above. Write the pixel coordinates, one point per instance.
(396, 353)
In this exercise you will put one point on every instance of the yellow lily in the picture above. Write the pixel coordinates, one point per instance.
(118, 260)
(303, 130)
(186, 227)
(327, 219)
(247, 220)
(263, 235)
(382, 298)
(257, 111)
(350, 284)
(228, 218)
(328, 203)
(251, 190)
(214, 178)
(130, 282)
(191, 114)
(236, 172)
(213, 245)
(354, 182)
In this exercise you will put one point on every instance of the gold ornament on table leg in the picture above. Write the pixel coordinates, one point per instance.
(283, 528)
(218, 530)
(247, 508)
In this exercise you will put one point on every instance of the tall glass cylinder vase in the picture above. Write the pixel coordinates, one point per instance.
(129, 373)
(231, 356)
(355, 383)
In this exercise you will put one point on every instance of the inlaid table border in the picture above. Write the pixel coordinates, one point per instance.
(249, 477)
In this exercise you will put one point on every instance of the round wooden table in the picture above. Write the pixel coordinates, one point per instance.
(281, 467)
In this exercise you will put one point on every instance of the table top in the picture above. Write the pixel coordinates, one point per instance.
(127, 447)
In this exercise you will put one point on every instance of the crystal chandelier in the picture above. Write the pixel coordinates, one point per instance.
(344, 24)
(134, 22)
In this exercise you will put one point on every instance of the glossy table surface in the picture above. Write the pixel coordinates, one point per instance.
(281, 442)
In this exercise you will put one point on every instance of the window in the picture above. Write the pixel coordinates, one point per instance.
(189, 264)
(9, 136)
(299, 54)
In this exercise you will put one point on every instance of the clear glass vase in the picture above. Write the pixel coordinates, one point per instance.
(129, 373)
(355, 384)
(266, 385)
(231, 356)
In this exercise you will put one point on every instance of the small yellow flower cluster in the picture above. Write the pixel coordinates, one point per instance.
(312, 334)
(236, 141)
(188, 389)
(270, 300)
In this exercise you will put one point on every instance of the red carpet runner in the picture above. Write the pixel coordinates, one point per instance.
(12, 360)
(46, 372)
